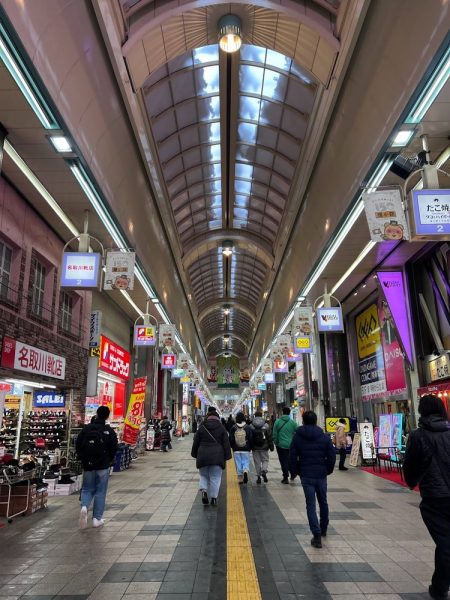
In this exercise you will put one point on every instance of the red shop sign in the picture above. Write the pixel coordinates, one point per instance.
(114, 359)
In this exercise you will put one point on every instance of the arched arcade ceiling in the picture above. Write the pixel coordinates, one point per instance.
(229, 135)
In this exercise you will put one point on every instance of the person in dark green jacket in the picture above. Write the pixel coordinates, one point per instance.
(283, 432)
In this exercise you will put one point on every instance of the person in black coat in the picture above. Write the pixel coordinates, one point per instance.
(166, 426)
(427, 463)
(96, 447)
(241, 440)
(312, 456)
(211, 449)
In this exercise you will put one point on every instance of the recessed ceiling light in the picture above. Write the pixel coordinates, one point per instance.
(402, 137)
(60, 143)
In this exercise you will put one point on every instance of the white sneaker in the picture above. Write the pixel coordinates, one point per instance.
(83, 517)
(97, 522)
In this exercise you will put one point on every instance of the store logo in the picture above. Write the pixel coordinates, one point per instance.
(392, 284)
(367, 328)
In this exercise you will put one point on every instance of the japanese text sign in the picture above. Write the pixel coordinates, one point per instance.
(114, 359)
(431, 212)
(135, 412)
(168, 361)
(385, 215)
(94, 328)
(80, 270)
(144, 335)
(119, 270)
(20, 356)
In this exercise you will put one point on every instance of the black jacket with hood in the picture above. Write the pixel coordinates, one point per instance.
(312, 453)
(166, 426)
(248, 437)
(109, 439)
(211, 444)
(427, 458)
(259, 424)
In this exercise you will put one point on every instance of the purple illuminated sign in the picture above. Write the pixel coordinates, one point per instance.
(393, 289)
(269, 377)
(80, 270)
(431, 212)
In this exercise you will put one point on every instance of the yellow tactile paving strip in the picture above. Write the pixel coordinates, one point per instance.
(242, 580)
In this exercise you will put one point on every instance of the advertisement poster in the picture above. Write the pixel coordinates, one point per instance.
(166, 335)
(228, 371)
(119, 270)
(394, 368)
(370, 354)
(367, 440)
(385, 215)
(135, 412)
(390, 431)
(300, 380)
(302, 323)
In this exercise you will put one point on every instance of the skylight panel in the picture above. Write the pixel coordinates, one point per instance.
(251, 79)
(206, 54)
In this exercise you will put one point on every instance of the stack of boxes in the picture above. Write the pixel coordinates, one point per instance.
(64, 489)
(23, 499)
(123, 458)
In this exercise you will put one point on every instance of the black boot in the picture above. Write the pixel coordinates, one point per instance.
(285, 480)
(316, 541)
(205, 498)
(245, 476)
(258, 479)
(213, 501)
(264, 476)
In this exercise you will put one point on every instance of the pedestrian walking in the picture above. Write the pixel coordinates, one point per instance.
(283, 432)
(166, 426)
(262, 443)
(211, 449)
(312, 457)
(96, 448)
(241, 443)
(427, 463)
(194, 425)
(230, 423)
(341, 443)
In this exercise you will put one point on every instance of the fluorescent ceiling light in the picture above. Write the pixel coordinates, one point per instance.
(131, 301)
(353, 266)
(402, 138)
(24, 80)
(60, 143)
(431, 90)
(32, 384)
(163, 313)
(25, 169)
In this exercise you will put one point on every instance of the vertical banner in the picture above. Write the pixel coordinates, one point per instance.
(370, 354)
(354, 453)
(135, 412)
(302, 322)
(394, 364)
(367, 440)
(95, 326)
(267, 366)
(228, 371)
(284, 343)
(385, 215)
(166, 335)
(119, 270)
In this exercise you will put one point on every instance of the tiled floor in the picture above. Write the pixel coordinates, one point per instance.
(160, 543)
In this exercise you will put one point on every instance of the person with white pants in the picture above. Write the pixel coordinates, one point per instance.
(211, 449)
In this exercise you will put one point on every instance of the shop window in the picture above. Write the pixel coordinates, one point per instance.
(6, 254)
(37, 301)
(66, 311)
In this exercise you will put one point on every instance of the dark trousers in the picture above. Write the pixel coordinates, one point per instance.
(316, 488)
(436, 516)
(342, 457)
(283, 457)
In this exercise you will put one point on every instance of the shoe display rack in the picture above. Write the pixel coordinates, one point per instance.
(8, 431)
(44, 429)
(19, 495)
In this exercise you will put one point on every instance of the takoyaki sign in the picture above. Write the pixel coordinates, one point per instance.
(385, 215)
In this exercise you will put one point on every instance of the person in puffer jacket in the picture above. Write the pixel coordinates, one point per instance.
(241, 439)
(262, 443)
(341, 444)
(166, 426)
(427, 463)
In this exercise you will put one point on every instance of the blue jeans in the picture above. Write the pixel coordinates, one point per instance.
(242, 460)
(95, 486)
(313, 488)
(210, 478)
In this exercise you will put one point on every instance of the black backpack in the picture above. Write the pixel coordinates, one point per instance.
(259, 438)
(94, 448)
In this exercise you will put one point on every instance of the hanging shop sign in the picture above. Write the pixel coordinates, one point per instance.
(394, 292)
(80, 270)
(269, 377)
(184, 380)
(144, 335)
(280, 366)
(367, 440)
(277, 354)
(300, 380)
(135, 412)
(330, 319)
(266, 366)
(168, 361)
(302, 322)
(212, 374)
(284, 343)
(430, 214)
(183, 361)
(303, 344)
(114, 359)
(228, 371)
(48, 399)
(177, 373)
(439, 368)
(95, 325)
(262, 386)
(244, 375)
(20, 356)
(385, 215)
(166, 335)
(119, 270)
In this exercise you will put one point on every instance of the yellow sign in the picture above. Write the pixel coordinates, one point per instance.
(368, 332)
(302, 342)
(332, 422)
(184, 379)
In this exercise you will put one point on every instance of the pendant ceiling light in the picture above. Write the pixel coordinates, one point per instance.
(230, 39)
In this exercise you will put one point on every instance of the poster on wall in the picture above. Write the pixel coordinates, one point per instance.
(394, 364)
(119, 270)
(228, 371)
(390, 430)
(302, 323)
(166, 335)
(135, 412)
(370, 354)
(385, 215)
